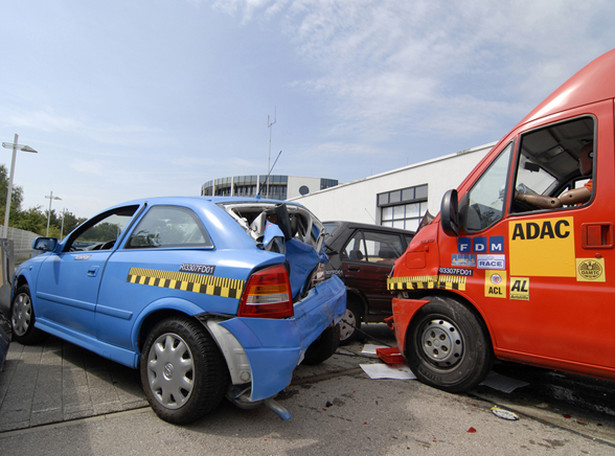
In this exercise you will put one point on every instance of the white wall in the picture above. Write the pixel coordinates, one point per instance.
(295, 182)
(356, 201)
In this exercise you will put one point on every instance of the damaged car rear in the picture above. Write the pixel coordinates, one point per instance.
(208, 297)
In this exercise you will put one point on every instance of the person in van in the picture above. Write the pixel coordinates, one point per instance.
(571, 197)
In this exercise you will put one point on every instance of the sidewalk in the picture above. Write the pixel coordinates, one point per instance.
(58, 381)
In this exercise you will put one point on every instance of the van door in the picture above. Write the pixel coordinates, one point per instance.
(550, 297)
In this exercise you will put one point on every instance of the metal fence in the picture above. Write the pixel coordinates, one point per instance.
(22, 243)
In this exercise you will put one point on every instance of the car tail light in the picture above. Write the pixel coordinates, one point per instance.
(267, 295)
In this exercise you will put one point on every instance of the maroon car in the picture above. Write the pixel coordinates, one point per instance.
(362, 255)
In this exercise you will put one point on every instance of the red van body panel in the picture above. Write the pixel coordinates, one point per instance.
(541, 282)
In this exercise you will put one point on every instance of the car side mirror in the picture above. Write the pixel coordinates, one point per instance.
(449, 213)
(45, 244)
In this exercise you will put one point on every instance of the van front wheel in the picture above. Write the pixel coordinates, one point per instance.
(447, 346)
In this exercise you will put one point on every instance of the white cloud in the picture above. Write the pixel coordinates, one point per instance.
(48, 120)
(90, 167)
(382, 62)
(43, 119)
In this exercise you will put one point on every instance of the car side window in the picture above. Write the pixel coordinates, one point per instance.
(373, 247)
(102, 232)
(169, 226)
(355, 249)
(383, 247)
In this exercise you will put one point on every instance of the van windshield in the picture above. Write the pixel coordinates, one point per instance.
(485, 201)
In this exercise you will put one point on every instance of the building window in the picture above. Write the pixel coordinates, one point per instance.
(326, 183)
(403, 208)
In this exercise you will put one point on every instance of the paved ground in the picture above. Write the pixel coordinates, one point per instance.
(58, 381)
(59, 399)
(333, 414)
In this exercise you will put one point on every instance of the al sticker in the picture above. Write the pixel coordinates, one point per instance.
(520, 288)
(590, 270)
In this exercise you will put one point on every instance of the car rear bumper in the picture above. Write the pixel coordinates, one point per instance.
(274, 347)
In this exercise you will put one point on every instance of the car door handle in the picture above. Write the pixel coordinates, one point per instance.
(92, 271)
(354, 268)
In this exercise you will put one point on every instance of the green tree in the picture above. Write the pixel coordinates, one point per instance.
(31, 219)
(16, 195)
(34, 219)
(71, 221)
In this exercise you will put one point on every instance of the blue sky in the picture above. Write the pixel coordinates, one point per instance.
(134, 98)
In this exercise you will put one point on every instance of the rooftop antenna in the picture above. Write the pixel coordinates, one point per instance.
(269, 125)
(267, 178)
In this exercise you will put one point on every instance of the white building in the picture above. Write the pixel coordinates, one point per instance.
(274, 186)
(396, 198)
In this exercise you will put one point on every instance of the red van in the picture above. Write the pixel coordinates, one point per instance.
(515, 266)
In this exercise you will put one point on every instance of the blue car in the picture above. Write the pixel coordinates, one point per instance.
(208, 297)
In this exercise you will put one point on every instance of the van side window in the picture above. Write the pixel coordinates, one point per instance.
(555, 166)
(483, 205)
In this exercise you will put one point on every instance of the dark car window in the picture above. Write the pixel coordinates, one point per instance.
(374, 247)
(101, 232)
(169, 226)
(330, 227)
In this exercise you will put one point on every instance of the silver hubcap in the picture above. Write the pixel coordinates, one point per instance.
(170, 370)
(22, 314)
(442, 343)
(347, 325)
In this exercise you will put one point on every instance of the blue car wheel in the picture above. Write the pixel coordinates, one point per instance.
(183, 373)
(22, 318)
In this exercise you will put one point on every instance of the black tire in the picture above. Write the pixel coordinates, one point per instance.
(323, 347)
(22, 318)
(183, 373)
(447, 346)
(351, 322)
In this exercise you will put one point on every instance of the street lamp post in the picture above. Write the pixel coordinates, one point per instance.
(51, 198)
(62, 225)
(9, 190)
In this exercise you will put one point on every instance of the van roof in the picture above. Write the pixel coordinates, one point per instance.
(592, 83)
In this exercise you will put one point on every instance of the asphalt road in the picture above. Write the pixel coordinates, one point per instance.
(338, 410)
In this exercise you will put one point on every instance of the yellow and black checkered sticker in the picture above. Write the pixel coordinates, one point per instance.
(446, 282)
(197, 283)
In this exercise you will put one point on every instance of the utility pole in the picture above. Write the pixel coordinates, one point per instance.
(51, 198)
(9, 190)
